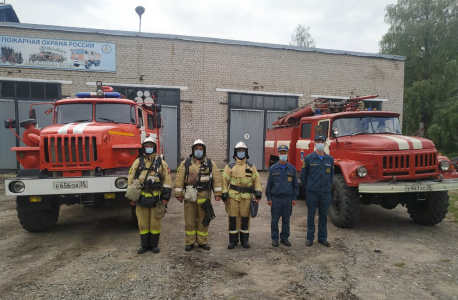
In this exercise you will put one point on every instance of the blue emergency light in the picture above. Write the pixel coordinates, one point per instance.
(94, 95)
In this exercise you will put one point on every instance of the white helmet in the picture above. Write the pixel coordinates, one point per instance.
(241, 145)
(149, 140)
(199, 142)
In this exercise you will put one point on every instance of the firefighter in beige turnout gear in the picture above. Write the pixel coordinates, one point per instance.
(240, 181)
(199, 172)
(153, 171)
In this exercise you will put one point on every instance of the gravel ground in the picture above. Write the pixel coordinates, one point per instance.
(91, 254)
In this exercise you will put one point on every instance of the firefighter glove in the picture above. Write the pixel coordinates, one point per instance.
(209, 213)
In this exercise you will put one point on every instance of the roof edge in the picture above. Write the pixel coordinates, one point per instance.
(199, 39)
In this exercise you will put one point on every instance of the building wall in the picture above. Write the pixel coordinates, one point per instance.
(203, 67)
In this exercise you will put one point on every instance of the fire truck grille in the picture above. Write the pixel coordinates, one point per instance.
(75, 150)
(420, 163)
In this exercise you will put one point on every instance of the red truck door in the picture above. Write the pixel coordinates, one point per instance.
(304, 145)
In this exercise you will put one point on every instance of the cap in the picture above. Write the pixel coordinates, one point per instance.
(320, 137)
(283, 148)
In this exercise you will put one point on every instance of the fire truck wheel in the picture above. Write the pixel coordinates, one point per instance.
(88, 64)
(134, 215)
(345, 203)
(430, 211)
(40, 219)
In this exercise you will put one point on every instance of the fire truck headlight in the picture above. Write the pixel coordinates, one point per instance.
(445, 165)
(17, 186)
(121, 183)
(361, 171)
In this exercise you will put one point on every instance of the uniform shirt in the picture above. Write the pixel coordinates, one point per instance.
(282, 182)
(240, 173)
(317, 174)
(193, 171)
(163, 170)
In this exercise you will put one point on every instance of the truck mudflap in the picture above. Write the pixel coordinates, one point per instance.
(409, 187)
(64, 185)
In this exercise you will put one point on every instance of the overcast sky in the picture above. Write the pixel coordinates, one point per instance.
(355, 25)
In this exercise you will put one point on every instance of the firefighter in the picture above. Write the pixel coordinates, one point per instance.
(244, 181)
(316, 178)
(281, 191)
(152, 171)
(199, 173)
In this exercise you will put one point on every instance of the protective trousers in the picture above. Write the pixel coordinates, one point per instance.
(149, 225)
(281, 207)
(239, 217)
(195, 231)
(321, 201)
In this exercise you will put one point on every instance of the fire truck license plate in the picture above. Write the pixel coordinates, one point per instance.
(419, 188)
(70, 185)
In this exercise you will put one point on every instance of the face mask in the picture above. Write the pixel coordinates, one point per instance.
(320, 147)
(198, 154)
(241, 155)
(149, 150)
(283, 157)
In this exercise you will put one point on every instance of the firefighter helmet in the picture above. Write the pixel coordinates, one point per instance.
(240, 145)
(199, 142)
(149, 140)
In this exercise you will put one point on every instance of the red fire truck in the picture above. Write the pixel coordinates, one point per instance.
(374, 162)
(83, 157)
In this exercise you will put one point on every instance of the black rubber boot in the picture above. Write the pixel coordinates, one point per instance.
(154, 241)
(144, 241)
(244, 236)
(233, 240)
(189, 247)
(244, 240)
(205, 246)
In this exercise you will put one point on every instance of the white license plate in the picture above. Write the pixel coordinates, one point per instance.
(419, 188)
(70, 185)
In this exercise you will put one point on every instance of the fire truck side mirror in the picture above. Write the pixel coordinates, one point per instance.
(10, 122)
(48, 111)
(421, 131)
(158, 108)
(33, 114)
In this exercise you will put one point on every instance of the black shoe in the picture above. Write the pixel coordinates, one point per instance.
(155, 250)
(205, 247)
(324, 243)
(189, 247)
(309, 243)
(142, 250)
(275, 243)
(286, 242)
(231, 245)
(244, 237)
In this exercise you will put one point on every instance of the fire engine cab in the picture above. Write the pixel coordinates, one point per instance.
(83, 157)
(374, 162)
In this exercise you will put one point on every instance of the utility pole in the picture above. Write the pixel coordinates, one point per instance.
(140, 10)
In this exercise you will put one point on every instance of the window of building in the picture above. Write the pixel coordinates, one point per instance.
(263, 102)
(29, 90)
(161, 96)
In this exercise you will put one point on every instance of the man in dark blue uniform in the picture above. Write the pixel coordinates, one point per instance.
(281, 191)
(316, 178)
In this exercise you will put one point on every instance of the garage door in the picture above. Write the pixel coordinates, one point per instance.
(170, 137)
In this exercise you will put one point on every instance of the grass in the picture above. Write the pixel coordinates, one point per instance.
(453, 207)
(400, 265)
(445, 260)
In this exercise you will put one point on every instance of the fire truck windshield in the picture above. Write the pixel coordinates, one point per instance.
(366, 125)
(73, 113)
(115, 113)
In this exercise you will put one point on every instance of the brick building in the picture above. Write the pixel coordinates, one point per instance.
(209, 86)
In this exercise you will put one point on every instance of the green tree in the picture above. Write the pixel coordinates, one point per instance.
(301, 37)
(426, 32)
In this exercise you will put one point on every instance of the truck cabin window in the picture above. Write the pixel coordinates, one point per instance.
(78, 51)
(114, 113)
(73, 113)
(358, 125)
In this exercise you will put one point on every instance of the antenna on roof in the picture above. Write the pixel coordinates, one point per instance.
(140, 10)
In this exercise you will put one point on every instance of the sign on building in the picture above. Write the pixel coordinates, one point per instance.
(33, 52)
